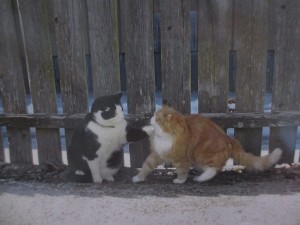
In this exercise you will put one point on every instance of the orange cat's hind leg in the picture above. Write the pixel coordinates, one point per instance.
(182, 169)
(209, 172)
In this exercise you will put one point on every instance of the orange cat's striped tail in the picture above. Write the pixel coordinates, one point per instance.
(252, 162)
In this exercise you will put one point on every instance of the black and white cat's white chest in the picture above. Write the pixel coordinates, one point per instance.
(110, 138)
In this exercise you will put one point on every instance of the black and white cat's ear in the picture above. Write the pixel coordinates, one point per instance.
(118, 96)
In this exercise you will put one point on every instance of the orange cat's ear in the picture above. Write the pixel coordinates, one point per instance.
(169, 117)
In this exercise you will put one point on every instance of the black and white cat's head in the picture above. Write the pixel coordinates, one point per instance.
(107, 110)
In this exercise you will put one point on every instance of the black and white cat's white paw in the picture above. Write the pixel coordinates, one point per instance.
(97, 180)
(110, 178)
(148, 129)
(79, 173)
(179, 181)
(137, 179)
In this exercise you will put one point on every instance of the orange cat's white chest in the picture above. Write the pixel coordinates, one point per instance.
(162, 141)
(162, 144)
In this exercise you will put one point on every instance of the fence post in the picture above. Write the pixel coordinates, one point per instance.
(286, 95)
(250, 43)
(104, 45)
(34, 28)
(214, 38)
(68, 19)
(139, 57)
(176, 54)
(12, 86)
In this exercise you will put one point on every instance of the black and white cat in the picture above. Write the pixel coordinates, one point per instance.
(95, 152)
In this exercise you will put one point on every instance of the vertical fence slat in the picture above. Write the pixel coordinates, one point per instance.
(71, 57)
(251, 27)
(12, 85)
(34, 26)
(286, 95)
(175, 54)
(214, 36)
(139, 59)
(104, 44)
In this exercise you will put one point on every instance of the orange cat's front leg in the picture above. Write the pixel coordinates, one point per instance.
(182, 169)
(152, 161)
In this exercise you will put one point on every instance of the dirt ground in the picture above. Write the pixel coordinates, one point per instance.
(41, 195)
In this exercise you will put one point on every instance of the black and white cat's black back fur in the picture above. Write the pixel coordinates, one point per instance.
(95, 152)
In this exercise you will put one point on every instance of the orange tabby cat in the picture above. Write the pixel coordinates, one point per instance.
(195, 141)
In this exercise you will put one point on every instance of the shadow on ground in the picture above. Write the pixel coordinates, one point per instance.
(49, 180)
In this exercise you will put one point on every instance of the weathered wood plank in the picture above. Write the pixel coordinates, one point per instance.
(251, 38)
(12, 85)
(104, 43)
(71, 54)
(34, 27)
(286, 95)
(176, 54)
(214, 38)
(139, 66)
(226, 120)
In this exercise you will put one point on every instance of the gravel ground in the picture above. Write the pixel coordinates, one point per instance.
(40, 195)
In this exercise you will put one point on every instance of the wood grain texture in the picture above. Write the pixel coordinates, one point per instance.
(250, 43)
(139, 59)
(214, 38)
(34, 27)
(104, 44)
(286, 95)
(12, 86)
(69, 25)
(226, 120)
(176, 54)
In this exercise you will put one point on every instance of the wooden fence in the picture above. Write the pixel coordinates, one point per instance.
(155, 43)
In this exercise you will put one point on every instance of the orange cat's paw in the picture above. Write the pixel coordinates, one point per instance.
(179, 181)
(137, 179)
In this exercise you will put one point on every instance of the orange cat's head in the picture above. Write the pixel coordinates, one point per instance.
(167, 120)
